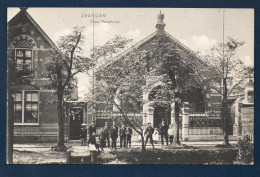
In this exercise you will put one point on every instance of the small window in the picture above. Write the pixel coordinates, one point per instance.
(23, 59)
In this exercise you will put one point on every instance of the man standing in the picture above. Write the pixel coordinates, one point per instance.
(114, 135)
(129, 133)
(122, 134)
(106, 133)
(164, 132)
(92, 129)
(149, 131)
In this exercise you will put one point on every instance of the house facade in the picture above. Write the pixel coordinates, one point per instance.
(35, 113)
(34, 103)
(203, 119)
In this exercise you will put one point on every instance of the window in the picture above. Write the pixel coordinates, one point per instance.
(23, 59)
(250, 96)
(26, 107)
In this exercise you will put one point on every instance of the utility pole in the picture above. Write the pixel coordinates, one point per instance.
(9, 116)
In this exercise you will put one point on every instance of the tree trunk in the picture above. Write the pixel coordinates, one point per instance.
(176, 124)
(60, 120)
(224, 113)
(143, 146)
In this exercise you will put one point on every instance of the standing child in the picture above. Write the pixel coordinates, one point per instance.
(92, 140)
(149, 131)
(83, 134)
(129, 133)
(102, 138)
(114, 135)
(171, 133)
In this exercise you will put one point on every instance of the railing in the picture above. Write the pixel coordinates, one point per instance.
(102, 117)
(205, 124)
(205, 131)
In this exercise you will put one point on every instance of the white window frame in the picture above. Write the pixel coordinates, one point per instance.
(23, 107)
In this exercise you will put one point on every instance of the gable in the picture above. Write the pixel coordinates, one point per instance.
(23, 31)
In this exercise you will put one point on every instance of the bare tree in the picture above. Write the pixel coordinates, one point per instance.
(229, 69)
(63, 65)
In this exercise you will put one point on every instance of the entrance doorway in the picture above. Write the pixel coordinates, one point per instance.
(76, 119)
(162, 113)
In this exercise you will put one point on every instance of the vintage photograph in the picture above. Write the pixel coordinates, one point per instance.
(130, 86)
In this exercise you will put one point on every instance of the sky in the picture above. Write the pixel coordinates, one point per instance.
(198, 29)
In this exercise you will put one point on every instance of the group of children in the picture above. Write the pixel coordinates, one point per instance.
(125, 134)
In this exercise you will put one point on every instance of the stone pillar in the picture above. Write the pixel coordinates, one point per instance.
(185, 126)
(150, 115)
(185, 122)
(172, 113)
(236, 123)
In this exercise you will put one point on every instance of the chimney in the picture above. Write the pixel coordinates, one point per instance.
(160, 24)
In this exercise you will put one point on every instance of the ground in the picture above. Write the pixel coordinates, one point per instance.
(198, 152)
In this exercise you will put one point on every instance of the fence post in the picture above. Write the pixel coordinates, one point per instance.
(185, 122)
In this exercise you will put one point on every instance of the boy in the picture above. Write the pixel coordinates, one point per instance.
(149, 131)
(92, 140)
(102, 138)
(129, 133)
(83, 134)
(114, 135)
(122, 134)
(164, 132)
(170, 133)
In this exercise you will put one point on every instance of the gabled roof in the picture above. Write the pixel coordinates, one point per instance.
(23, 12)
(149, 38)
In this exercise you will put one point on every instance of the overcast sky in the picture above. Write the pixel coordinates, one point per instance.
(196, 28)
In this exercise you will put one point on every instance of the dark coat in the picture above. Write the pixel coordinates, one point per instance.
(83, 133)
(129, 131)
(91, 130)
(102, 135)
(92, 140)
(106, 131)
(113, 132)
(149, 130)
(164, 129)
(122, 131)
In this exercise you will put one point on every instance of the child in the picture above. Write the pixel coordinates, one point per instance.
(92, 140)
(170, 133)
(102, 138)
(129, 133)
(83, 134)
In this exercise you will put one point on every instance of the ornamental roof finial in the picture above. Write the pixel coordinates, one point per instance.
(160, 24)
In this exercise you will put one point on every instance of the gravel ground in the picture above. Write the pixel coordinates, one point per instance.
(45, 156)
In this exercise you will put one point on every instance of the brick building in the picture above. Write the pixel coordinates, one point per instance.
(35, 108)
(203, 119)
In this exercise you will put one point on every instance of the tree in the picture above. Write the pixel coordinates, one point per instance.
(119, 83)
(62, 67)
(229, 68)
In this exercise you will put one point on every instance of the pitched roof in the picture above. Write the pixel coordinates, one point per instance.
(149, 38)
(35, 24)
